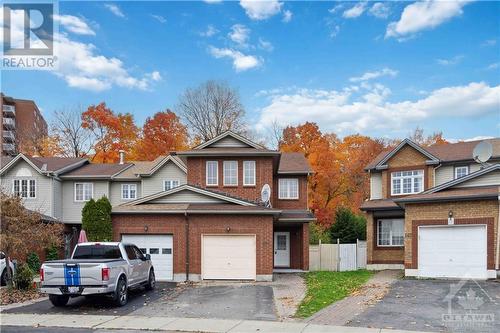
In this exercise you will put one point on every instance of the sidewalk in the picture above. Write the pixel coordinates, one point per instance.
(343, 311)
(177, 324)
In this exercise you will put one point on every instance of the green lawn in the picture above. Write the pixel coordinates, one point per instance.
(324, 288)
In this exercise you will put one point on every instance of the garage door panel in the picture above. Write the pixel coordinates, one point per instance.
(228, 257)
(452, 251)
(162, 260)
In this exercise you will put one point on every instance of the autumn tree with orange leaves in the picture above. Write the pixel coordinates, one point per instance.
(112, 132)
(161, 134)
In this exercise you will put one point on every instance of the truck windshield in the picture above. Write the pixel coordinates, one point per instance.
(97, 252)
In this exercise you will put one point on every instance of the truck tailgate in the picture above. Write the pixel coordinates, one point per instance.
(72, 274)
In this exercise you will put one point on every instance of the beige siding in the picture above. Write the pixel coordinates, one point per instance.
(491, 178)
(72, 211)
(115, 195)
(375, 186)
(22, 170)
(154, 184)
(447, 173)
(187, 196)
(228, 141)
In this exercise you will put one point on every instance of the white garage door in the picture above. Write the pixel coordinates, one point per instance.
(228, 257)
(452, 252)
(160, 247)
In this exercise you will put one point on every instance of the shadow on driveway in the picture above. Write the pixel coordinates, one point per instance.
(101, 305)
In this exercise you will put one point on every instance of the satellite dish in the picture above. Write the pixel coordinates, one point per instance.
(482, 152)
(265, 195)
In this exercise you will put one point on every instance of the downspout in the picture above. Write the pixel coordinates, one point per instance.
(186, 231)
(497, 264)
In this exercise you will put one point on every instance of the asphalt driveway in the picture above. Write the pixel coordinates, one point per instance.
(423, 305)
(224, 301)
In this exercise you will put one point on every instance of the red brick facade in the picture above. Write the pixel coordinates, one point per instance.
(300, 203)
(261, 226)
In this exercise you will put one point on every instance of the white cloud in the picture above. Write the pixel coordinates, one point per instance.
(449, 62)
(380, 10)
(211, 30)
(265, 45)
(336, 8)
(114, 9)
(159, 18)
(374, 75)
(261, 10)
(423, 16)
(493, 66)
(239, 34)
(241, 62)
(475, 138)
(355, 11)
(82, 67)
(347, 111)
(287, 16)
(74, 24)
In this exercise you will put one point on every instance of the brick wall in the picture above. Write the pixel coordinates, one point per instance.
(261, 226)
(464, 212)
(376, 254)
(406, 156)
(263, 172)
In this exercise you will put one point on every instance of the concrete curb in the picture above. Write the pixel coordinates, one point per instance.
(177, 324)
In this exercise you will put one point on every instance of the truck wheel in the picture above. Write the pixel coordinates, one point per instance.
(120, 296)
(59, 300)
(151, 281)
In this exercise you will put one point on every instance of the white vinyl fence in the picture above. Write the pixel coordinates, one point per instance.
(337, 257)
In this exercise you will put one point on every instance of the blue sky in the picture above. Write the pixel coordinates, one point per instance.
(375, 68)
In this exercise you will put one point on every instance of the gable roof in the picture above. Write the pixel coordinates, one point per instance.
(294, 163)
(97, 170)
(43, 165)
(148, 168)
(195, 189)
(234, 136)
(451, 152)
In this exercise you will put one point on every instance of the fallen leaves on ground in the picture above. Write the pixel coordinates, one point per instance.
(11, 295)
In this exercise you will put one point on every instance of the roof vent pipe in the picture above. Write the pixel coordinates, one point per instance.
(122, 156)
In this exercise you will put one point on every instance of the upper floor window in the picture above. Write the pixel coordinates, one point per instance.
(249, 173)
(25, 188)
(170, 184)
(407, 182)
(84, 191)
(461, 171)
(129, 191)
(390, 232)
(212, 172)
(231, 173)
(288, 188)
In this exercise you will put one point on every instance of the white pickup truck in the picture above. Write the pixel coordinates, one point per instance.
(97, 269)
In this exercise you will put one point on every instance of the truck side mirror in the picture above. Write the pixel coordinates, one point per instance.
(147, 256)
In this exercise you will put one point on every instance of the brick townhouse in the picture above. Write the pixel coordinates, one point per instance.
(198, 213)
(434, 211)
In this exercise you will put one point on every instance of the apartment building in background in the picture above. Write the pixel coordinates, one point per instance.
(22, 124)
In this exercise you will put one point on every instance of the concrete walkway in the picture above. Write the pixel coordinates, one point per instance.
(343, 311)
(176, 324)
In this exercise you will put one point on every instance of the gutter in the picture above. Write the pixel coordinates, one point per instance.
(497, 264)
(457, 198)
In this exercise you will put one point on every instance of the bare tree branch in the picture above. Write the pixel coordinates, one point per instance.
(76, 141)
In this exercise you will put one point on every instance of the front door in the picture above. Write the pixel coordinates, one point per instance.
(282, 249)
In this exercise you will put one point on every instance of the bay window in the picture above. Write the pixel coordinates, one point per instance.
(390, 232)
(407, 182)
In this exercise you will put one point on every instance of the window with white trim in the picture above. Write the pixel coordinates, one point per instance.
(248, 173)
(129, 191)
(24, 188)
(407, 182)
(390, 232)
(230, 169)
(212, 170)
(461, 171)
(288, 188)
(169, 184)
(84, 191)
